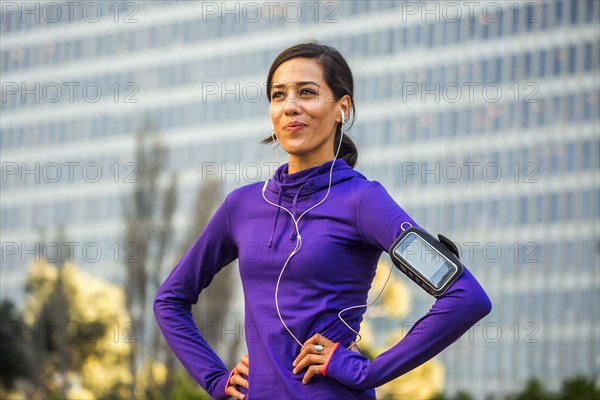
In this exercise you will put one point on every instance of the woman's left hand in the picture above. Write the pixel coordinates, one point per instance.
(314, 355)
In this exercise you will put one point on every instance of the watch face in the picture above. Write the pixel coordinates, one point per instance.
(425, 260)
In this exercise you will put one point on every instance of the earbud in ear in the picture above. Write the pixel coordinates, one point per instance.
(343, 115)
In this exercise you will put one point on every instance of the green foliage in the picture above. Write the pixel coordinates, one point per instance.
(578, 387)
(14, 359)
(368, 352)
(463, 395)
(534, 390)
(460, 395)
(187, 389)
(439, 396)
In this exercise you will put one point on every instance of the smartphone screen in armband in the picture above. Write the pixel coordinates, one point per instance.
(425, 260)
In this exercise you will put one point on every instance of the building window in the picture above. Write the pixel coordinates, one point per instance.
(527, 67)
(569, 206)
(570, 157)
(523, 211)
(573, 11)
(584, 200)
(591, 10)
(542, 57)
(586, 155)
(558, 13)
(553, 312)
(538, 306)
(595, 201)
(552, 207)
(512, 71)
(589, 102)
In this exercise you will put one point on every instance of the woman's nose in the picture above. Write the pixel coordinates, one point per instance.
(291, 104)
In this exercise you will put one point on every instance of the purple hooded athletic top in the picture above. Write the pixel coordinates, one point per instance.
(342, 240)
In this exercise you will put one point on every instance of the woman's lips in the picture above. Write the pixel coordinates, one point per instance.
(294, 126)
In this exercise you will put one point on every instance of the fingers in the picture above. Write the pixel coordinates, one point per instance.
(240, 372)
(242, 369)
(310, 359)
(238, 380)
(312, 371)
(310, 347)
(313, 356)
(317, 338)
(309, 352)
(232, 391)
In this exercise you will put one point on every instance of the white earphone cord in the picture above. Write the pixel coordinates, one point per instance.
(299, 245)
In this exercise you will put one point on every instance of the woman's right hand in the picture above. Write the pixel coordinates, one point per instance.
(241, 371)
(239, 378)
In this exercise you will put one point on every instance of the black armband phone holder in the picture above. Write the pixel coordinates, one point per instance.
(431, 263)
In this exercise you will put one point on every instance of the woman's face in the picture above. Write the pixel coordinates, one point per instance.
(304, 113)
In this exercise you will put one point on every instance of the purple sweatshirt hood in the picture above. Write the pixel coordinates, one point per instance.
(309, 180)
(303, 184)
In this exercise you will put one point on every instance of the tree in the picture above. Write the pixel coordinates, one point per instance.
(463, 395)
(534, 390)
(460, 395)
(15, 359)
(148, 217)
(186, 388)
(82, 344)
(579, 387)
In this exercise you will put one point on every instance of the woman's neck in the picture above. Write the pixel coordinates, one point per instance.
(297, 164)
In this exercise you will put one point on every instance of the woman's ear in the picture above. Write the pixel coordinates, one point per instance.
(345, 103)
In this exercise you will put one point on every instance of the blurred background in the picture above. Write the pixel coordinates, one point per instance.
(125, 123)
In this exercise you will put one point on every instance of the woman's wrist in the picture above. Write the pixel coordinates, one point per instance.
(347, 367)
(227, 382)
(326, 364)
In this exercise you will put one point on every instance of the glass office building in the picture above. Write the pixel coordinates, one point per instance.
(480, 118)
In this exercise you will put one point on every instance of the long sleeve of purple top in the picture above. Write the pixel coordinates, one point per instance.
(450, 317)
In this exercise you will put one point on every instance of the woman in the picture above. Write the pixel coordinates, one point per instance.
(308, 241)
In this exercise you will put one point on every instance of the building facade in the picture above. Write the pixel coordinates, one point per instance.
(480, 118)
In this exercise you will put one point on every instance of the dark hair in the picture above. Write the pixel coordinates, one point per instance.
(338, 77)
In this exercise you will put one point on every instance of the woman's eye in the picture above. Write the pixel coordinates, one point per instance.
(307, 91)
(276, 95)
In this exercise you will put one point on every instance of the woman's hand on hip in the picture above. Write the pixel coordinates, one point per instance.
(313, 356)
(239, 378)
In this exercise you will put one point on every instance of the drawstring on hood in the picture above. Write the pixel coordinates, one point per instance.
(300, 185)
(294, 203)
(275, 221)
